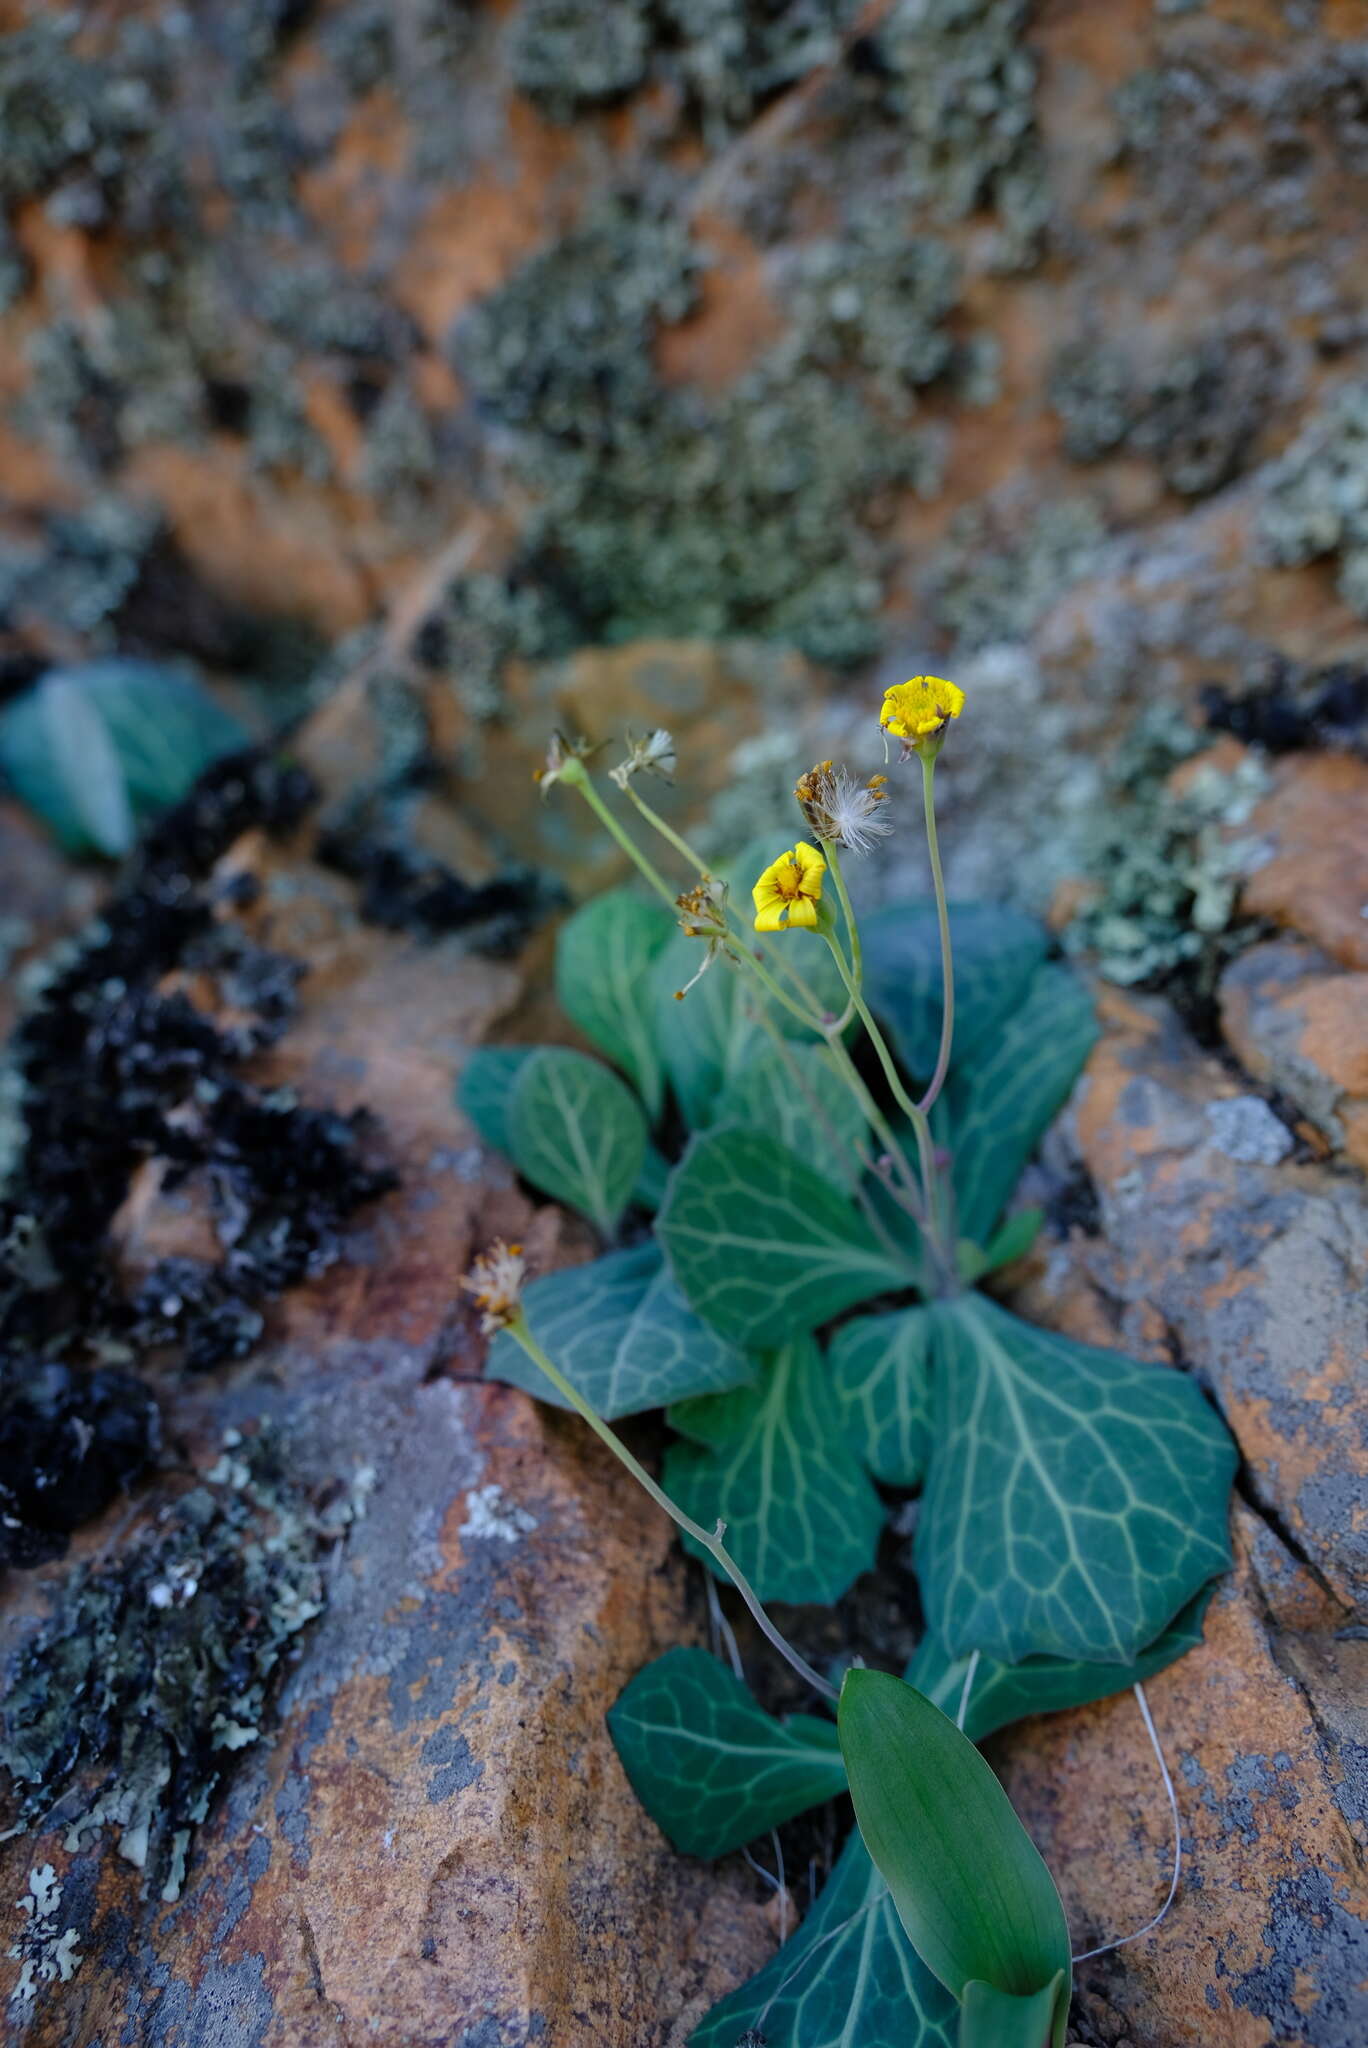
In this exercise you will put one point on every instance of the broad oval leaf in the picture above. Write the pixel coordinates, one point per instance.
(623, 1335)
(577, 1133)
(970, 1886)
(707, 1036)
(57, 753)
(101, 746)
(762, 1245)
(995, 952)
(849, 1978)
(1002, 1693)
(1001, 1105)
(485, 1089)
(1076, 1498)
(605, 960)
(880, 1377)
(772, 1462)
(798, 1097)
(709, 1765)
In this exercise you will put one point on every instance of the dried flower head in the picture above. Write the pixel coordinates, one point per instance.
(496, 1281)
(839, 808)
(788, 894)
(703, 915)
(563, 761)
(655, 755)
(918, 712)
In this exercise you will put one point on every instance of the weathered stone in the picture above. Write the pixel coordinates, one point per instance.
(1316, 879)
(1302, 1025)
(1243, 1263)
(435, 1843)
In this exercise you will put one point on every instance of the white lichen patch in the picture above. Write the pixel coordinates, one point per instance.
(45, 1953)
(493, 1519)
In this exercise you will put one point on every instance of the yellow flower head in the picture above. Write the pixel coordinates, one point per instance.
(918, 711)
(788, 893)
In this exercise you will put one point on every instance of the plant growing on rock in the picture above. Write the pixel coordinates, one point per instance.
(797, 1288)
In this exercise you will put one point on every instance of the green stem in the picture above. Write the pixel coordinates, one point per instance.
(584, 785)
(833, 859)
(926, 1151)
(667, 832)
(712, 1543)
(943, 915)
(828, 1130)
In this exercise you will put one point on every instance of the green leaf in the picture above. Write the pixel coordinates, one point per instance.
(485, 1089)
(653, 1179)
(849, 1978)
(166, 727)
(707, 1037)
(761, 1244)
(98, 748)
(880, 1379)
(1003, 1102)
(996, 952)
(709, 1765)
(969, 1884)
(997, 2019)
(622, 1333)
(1076, 1498)
(1003, 1693)
(766, 1095)
(58, 755)
(605, 960)
(772, 1462)
(577, 1133)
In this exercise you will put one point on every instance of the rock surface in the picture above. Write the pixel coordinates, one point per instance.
(436, 1843)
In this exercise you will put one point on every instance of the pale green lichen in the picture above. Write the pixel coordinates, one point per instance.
(1317, 497)
(45, 1951)
(1168, 864)
(152, 1669)
(1196, 413)
(961, 79)
(659, 511)
(570, 54)
(994, 579)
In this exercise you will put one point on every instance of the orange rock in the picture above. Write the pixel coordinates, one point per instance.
(1317, 879)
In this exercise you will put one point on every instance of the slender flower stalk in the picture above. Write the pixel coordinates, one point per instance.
(937, 1082)
(710, 1540)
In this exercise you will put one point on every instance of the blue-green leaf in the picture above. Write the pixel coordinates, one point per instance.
(849, 1978)
(772, 1462)
(1076, 1499)
(1002, 1103)
(485, 1089)
(996, 952)
(576, 1132)
(98, 748)
(1003, 1693)
(622, 1334)
(798, 1097)
(709, 1765)
(969, 1884)
(879, 1375)
(605, 980)
(762, 1245)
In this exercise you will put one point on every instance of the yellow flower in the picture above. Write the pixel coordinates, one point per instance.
(789, 891)
(919, 710)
